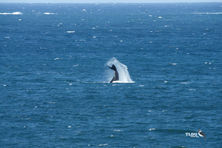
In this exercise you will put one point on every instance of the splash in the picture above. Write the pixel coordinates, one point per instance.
(124, 76)
(11, 13)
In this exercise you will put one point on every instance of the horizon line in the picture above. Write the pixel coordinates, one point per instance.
(103, 2)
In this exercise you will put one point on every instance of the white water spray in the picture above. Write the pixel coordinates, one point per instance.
(124, 76)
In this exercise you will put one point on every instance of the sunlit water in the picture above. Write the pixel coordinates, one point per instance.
(53, 68)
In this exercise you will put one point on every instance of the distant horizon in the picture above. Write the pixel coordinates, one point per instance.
(110, 1)
(103, 2)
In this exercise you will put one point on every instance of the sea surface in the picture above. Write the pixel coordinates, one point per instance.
(54, 81)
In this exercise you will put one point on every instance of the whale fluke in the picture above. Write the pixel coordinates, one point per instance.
(121, 72)
(116, 76)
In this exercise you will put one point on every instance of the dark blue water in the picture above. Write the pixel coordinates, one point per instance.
(52, 81)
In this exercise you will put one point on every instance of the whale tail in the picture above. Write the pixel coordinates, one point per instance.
(116, 76)
(121, 72)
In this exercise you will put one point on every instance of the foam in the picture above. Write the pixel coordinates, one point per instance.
(165, 81)
(11, 13)
(152, 129)
(174, 64)
(184, 83)
(56, 58)
(84, 10)
(75, 65)
(101, 145)
(121, 82)
(48, 13)
(70, 31)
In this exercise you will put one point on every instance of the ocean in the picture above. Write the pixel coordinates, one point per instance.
(54, 78)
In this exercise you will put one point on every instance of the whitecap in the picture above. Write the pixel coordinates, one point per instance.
(152, 129)
(11, 13)
(103, 144)
(71, 31)
(75, 65)
(184, 83)
(48, 13)
(209, 63)
(117, 130)
(149, 111)
(192, 89)
(111, 135)
(174, 64)
(160, 17)
(165, 81)
(84, 10)
(56, 58)
(59, 24)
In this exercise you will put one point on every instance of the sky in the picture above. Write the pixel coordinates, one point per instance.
(106, 1)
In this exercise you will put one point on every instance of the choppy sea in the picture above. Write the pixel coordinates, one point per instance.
(54, 89)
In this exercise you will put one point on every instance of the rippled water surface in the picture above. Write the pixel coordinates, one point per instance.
(53, 74)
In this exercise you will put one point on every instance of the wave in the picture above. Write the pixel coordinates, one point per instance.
(48, 13)
(124, 76)
(11, 13)
(70, 31)
(208, 13)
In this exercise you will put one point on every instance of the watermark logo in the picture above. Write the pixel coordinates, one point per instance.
(198, 134)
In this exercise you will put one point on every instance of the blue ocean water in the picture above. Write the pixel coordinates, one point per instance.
(53, 75)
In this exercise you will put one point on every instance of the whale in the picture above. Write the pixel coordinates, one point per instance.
(120, 74)
(200, 133)
(116, 75)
